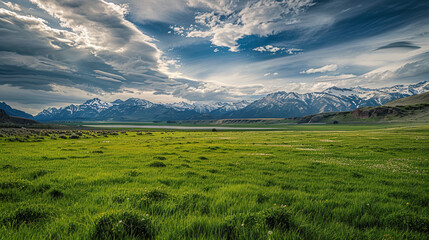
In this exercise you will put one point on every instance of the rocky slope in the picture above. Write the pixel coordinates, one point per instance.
(14, 112)
(6, 119)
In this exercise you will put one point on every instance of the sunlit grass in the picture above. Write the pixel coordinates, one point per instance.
(356, 184)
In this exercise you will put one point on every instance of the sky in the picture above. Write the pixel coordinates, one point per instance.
(61, 52)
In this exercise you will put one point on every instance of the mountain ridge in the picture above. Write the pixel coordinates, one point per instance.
(14, 112)
(280, 104)
(7, 119)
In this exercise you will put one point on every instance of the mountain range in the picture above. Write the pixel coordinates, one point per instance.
(409, 109)
(274, 105)
(135, 109)
(334, 99)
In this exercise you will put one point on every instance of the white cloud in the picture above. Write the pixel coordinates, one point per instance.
(155, 10)
(215, 91)
(292, 51)
(268, 48)
(102, 29)
(326, 68)
(272, 49)
(31, 62)
(269, 74)
(178, 30)
(326, 78)
(222, 6)
(225, 25)
(110, 75)
(12, 6)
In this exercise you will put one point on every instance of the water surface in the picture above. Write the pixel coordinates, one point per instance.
(177, 127)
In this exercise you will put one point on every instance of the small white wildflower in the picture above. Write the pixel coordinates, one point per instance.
(270, 232)
(120, 221)
(128, 198)
(142, 219)
(242, 224)
(147, 214)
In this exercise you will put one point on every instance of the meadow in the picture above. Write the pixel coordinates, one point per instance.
(300, 182)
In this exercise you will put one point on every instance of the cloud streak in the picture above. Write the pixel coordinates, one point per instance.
(326, 68)
(12, 6)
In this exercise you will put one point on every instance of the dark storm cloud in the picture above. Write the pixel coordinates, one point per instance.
(404, 45)
(34, 55)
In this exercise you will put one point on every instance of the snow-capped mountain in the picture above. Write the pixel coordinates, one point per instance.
(278, 104)
(412, 89)
(181, 106)
(136, 102)
(95, 104)
(224, 108)
(218, 107)
(382, 94)
(135, 109)
(291, 104)
(87, 110)
(48, 113)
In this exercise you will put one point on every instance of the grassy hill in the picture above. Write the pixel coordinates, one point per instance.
(409, 109)
(409, 101)
(6, 120)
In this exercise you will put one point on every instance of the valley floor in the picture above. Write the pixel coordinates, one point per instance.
(311, 182)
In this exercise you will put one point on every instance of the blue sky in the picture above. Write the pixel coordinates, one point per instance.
(58, 52)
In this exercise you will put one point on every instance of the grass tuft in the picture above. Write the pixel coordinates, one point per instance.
(125, 225)
(56, 194)
(157, 164)
(27, 215)
(36, 174)
(278, 217)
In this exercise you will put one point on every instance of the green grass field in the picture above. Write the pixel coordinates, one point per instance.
(303, 182)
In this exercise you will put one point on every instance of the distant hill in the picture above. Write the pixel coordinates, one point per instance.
(14, 112)
(409, 109)
(408, 101)
(6, 119)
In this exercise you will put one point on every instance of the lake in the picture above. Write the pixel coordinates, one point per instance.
(176, 127)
